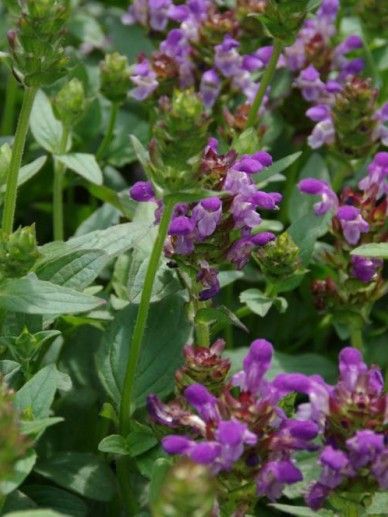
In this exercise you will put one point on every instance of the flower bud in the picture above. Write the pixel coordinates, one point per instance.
(115, 77)
(70, 102)
(280, 259)
(179, 139)
(205, 366)
(284, 18)
(354, 117)
(12, 443)
(35, 45)
(189, 489)
(18, 252)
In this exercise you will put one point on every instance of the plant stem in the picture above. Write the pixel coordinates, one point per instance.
(7, 123)
(141, 320)
(356, 338)
(264, 83)
(202, 335)
(59, 173)
(109, 132)
(241, 313)
(16, 160)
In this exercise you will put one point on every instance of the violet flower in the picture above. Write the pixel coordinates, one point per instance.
(353, 225)
(365, 268)
(316, 187)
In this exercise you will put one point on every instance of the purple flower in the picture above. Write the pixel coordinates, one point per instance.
(316, 496)
(142, 191)
(136, 13)
(255, 366)
(336, 467)
(240, 251)
(310, 83)
(159, 13)
(263, 238)
(144, 77)
(377, 179)
(203, 401)
(364, 447)
(380, 469)
(353, 225)
(265, 200)
(227, 58)
(207, 276)
(274, 476)
(233, 436)
(316, 187)
(181, 225)
(210, 88)
(365, 268)
(318, 113)
(175, 444)
(205, 453)
(207, 214)
(323, 133)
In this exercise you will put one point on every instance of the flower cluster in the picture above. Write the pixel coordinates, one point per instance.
(359, 215)
(353, 418)
(242, 432)
(202, 49)
(218, 229)
(344, 105)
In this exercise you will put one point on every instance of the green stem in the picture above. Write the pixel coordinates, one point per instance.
(228, 332)
(16, 160)
(129, 503)
(356, 338)
(59, 173)
(141, 320)
(264, 83)
(241, 313)
(109, 132)
(7, 123)
(202, 335)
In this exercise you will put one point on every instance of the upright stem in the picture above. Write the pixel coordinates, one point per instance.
(264, 83)
(59, 172)
(356, 338)
(7, 122)
(16, 160)
(141, 320)
(109, 132)
(202, 335)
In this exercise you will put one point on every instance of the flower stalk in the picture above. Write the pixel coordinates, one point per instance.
(109, 132)
(59, 172)
(16, 160)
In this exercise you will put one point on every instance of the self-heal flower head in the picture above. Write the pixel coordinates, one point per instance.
(316, 187)
(352, 222)
(274, 476)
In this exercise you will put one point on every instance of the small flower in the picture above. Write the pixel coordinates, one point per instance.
(142, 191)
(145, 80)
(364, 268)
(207, 214)
(310, 83)
(316, 187)
(353, 225)
(274, 476)
(210, 88)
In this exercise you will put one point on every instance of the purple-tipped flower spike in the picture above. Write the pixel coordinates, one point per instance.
(210, 88)
(353, 225)
(316, 187)
(364, 448)
(142, 191)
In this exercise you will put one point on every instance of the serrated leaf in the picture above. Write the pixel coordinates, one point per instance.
(33, 296)
(46, 129)
(373, 250)
(83, 164)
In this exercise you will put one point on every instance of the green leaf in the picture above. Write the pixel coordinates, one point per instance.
(83, 164)
(158, 476)
(301, 204)
(114, 444)
(257, 301)
(47, 496)
(141, 154)
(83, 473)
(28, 171)
(36, 427)
(20, 471)
(379, 504)
(306, 231)
(77, 269)
(33, 296)
(87, 29)
(9, 370)
(374, 250)
(247, 142)
(37, 395)
(276, 168)
(302, 511)
(153, 375)
(46, 129)
(35, 513)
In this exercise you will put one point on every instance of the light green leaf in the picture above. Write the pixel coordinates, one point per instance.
(37, 395)
(257, 301)
(33, 296)
(28, 171)
(379, 504)
(302, 511)
(83, 473)
(77, 269)
(158, 476)
(153, 375)
(114, 444)
(8, 370)
(35, 513)
(374, 250)
(83, 164)
(46, 129)
(306, 231)
(36, 427)
(21, 470)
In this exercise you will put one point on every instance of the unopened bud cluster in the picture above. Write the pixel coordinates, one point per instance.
(18, 252)
(115, 77)
(70, 102)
